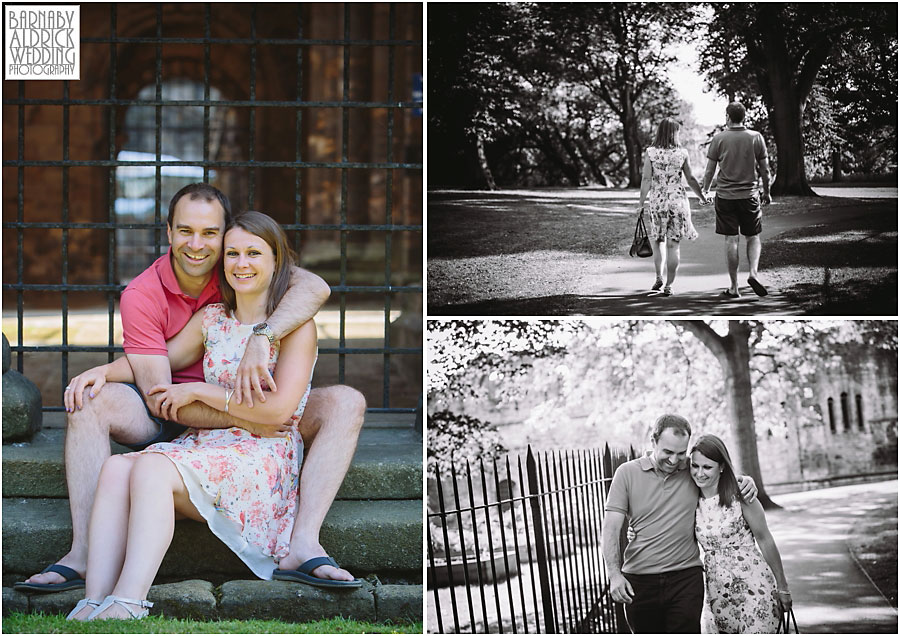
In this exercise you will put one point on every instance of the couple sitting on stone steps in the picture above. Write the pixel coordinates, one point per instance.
(227, 350)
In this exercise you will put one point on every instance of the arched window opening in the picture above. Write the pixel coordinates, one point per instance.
(831, 416)
(860, 421)
(845, 411)
(181, 139)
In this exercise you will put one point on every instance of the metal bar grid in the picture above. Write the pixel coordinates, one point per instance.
(111, 103)
(501, 562)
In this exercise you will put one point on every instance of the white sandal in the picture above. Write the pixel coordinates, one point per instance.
(81, 605)
(123, 602)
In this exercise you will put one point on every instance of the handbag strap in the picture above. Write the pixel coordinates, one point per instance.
(784, 623)
(639, 228)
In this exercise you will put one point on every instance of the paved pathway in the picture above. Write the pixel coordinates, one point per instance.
(831, 594)
(702, 275)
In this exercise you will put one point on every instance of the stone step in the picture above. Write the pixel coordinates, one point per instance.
(383, 537)
(387, 464)
(246, 600)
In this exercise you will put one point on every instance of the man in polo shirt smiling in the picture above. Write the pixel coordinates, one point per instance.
(661, 580)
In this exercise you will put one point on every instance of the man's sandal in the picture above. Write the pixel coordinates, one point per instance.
(122, 602)
(71, 580)
(81, 605)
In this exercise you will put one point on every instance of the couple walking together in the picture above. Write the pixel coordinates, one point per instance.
(214, 397)
(739, 154)
(674, 499)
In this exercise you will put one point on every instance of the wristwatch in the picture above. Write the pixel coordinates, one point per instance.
(263, 329)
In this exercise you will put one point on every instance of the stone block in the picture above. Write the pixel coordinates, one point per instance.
(13, 601)
(21, 407)
(7, 355)
(186, 599)
(58, 603)
(399, 603)
(294, 602)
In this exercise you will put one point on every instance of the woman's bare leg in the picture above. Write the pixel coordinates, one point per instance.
(673, 258)
(107, 530)
(157, 492)
(659, 255)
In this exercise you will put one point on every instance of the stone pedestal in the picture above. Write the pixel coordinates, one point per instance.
(21, 403)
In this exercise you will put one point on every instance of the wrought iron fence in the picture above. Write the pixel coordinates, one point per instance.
(514, 551)
(21, 164)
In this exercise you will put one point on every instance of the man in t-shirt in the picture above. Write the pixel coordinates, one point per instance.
(154, 307)
(740, 154)
(661, 579)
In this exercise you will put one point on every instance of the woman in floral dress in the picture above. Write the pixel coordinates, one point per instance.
(669, 209)
(745, 590)
(243, 486)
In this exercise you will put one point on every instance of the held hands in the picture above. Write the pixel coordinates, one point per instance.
(73, 396)
(170, 398)
(253, 369)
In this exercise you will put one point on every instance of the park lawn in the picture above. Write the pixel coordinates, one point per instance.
(18, 623)
(518, 244)
(873, 544)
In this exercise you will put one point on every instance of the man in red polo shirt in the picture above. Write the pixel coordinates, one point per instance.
(154, 307)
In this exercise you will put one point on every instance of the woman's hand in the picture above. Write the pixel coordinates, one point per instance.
(784, 599)
(172, 397)
(73, 396)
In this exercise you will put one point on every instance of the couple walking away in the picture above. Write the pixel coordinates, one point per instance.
(739, 154)
(214, 396)
(673, 499)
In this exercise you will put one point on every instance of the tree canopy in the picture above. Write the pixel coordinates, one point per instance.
(576, 384)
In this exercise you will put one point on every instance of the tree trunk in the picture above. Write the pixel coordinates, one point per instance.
(733, 354)
(836, 165)
(787, 124)
(786, 101)
(632, 143)
(483, 164)
(739, 390)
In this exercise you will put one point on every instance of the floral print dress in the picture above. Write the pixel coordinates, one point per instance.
(740, 588)
(667, 202)
(244, 485)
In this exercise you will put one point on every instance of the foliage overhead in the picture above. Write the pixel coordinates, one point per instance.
(581, 384)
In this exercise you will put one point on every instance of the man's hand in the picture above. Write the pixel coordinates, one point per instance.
(766, 198)
(73, 397)
(252, 371)
(267, 430)
(621, 589)
(748, 488)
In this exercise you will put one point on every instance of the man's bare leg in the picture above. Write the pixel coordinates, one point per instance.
(330, 428)
(733, 258)
(117, 412)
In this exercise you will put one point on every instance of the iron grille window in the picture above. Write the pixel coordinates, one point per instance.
(305, 112)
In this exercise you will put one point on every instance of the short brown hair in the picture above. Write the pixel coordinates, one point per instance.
(268, 229)
(670, 420)
(203, 191)
(736, 112)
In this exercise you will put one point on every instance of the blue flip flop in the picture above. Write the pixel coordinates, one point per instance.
(73, 581)
(302, 574)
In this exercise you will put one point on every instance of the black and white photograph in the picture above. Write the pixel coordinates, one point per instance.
(662, 159)
(679, 476)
